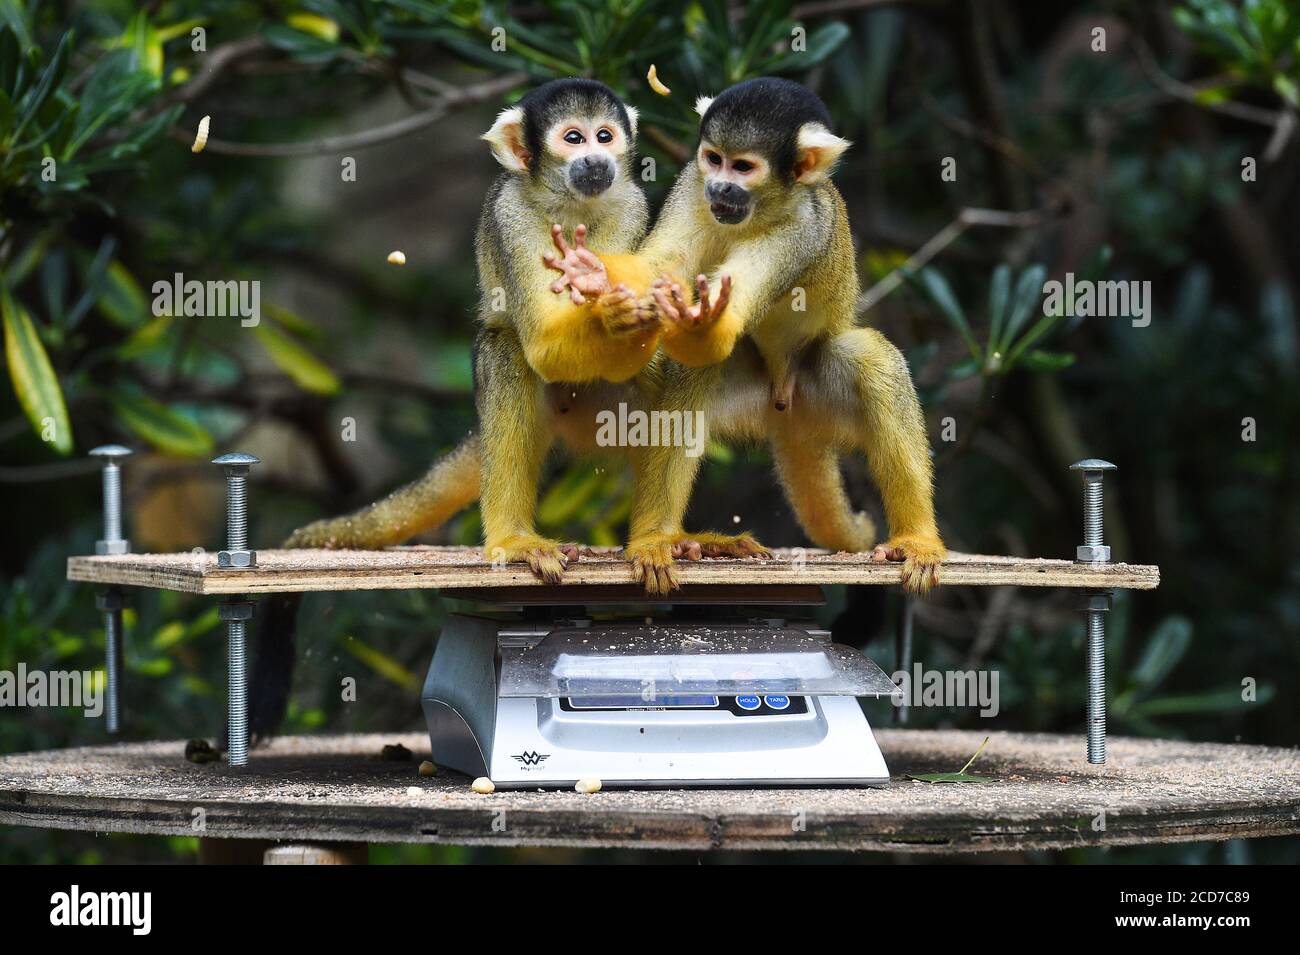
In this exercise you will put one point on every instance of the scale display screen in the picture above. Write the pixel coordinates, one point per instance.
(638, 702)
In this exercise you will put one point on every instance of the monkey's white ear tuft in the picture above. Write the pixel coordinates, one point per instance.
(702, 105)
(506, 137)
(818, 150)
(632, 117)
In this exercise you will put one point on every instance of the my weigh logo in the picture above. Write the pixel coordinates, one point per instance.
(529, 758)
(103, 908)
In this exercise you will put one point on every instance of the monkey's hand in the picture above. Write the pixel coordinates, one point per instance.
(695, 335)
(581, 270)
(547, 559)
(622, 313)
(708, 544)
(921, 555)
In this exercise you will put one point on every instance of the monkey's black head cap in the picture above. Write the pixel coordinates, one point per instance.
(567, 99)
(763, 115)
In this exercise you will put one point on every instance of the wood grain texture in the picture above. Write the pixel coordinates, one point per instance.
(1041, 795)
(405, 568)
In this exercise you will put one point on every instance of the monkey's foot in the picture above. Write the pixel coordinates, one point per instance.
(622, 313)
(695, 546)
(921, 555)
(547, 559)
(652, 563)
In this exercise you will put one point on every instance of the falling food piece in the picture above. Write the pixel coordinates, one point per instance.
(483, 785)
(201, 137)
(735, 518)
(397, 257)
(427, 768)
(655, 83)
(587, 786)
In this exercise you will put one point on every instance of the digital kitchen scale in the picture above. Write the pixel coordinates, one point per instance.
(637, 701)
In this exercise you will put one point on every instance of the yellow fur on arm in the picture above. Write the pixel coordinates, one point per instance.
(570, 343)
(708, 345)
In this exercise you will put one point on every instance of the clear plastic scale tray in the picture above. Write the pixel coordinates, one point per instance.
(655, 661)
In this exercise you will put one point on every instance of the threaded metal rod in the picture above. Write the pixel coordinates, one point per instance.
(1096, 687)
(237, 728)
(236, 512)
(112, 634)
(1092, 514)
(112, 502)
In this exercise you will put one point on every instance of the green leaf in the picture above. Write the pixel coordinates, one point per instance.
(307, 371)
(166, 429)
(999, 292)
(949, 778)
(382, 664)
(1024, 301)
(35, 383)
(50, 79)
(123, 300)
(1039, 360)
(1167, 646)
(936, 288)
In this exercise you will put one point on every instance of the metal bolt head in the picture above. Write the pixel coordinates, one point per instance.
(235, 610)
(1090, 554)
(1092, 468)
(111, 452)
(237, 462)
(236, 559)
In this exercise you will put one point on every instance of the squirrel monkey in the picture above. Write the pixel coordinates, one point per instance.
(543, 364)
(757, 207)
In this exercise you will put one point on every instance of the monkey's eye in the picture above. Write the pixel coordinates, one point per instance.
(714, 159)
(742, 165)
(574, 138)
(604, 136)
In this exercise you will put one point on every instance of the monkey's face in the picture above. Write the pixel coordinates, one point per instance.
(733, 181)
(586, 152)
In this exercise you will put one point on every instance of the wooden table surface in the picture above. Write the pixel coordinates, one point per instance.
(1041, 795)
(464, 568)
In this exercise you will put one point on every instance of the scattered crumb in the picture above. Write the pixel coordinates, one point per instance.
(587, 786)
(395, 753)
(1062, 779)
(427, 768)
(483, 785)
(414, 791)
(397, 257)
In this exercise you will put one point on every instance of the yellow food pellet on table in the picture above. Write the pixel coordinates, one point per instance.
(587, 786)
(483, 785)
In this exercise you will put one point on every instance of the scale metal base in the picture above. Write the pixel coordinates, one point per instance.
(639, 704)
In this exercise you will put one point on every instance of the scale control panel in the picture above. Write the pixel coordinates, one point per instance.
(742, 704)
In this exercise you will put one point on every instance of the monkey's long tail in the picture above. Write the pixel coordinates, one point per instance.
(449, 486)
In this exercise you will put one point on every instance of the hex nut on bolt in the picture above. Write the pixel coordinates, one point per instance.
(235, 610)
(236, 559)
(1099, 602)
(1092, 554)
(237, 555)
(110, 600)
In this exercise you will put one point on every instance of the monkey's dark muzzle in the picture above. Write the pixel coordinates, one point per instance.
(591, 176)
(728, 202)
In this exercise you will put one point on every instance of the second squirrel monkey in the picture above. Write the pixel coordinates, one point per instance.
(757, 208)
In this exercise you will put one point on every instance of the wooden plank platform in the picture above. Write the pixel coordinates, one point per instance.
(1041, 795)
(403, 568)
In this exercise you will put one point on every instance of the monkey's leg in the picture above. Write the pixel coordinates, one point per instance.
(886, 421)
(516, 435)
(450, 485)
(665, 475)
(808, 464)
